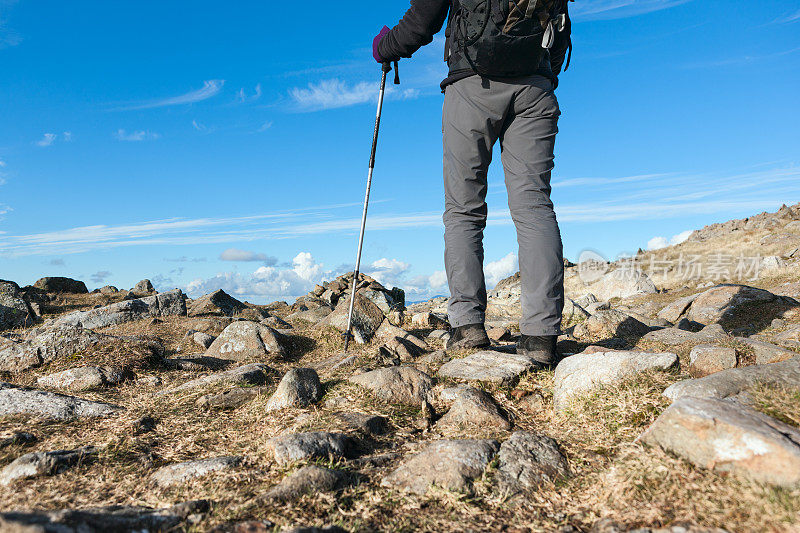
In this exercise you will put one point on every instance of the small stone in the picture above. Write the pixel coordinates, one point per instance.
(499, 334)
(579, 374)
(307, 480)
(707, 359)
(473, 408)
(489, 366)
(439, 334)
(388, 332)
(195, 363)
(527, 460)
(396, 384)
(675, 310)
(311, 445)
(176, 474)
(15, 312)
(44, 464)
(676, 336)
(429, 320)
(622, 283)
(143, 425)
(204, 340)
(231, 399)
(434, 358)
(532, 403)
(449, 464)
(611, 323)
(729, 437)
(17, 438)
(298, 388)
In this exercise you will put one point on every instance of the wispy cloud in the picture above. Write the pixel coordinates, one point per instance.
(135, 136)
(616, 9)
(210, 89)
(741, 60)
(788, 18)
(335, 93)
(100, 276)
(47, 140)
(8, 37)
(682, 195)
(243, 95)
(237, 255)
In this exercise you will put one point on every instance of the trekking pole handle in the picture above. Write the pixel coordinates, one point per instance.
(387, 67)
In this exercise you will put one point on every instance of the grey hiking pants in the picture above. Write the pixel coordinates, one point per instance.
(523, 115)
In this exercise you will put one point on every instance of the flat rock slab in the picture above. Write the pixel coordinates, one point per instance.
(23, 401)
(528, 460)
(39, 464)
(766, 352)
(310, 479)
(311, 445)
(403, 384)
(116, 518)
(299, 387)
(171, 475)
(82, 378)
(729, 437)
(676, 336)
(731, 382)
(252, 374)
(725, 303)
(707, 359)
(44, 344)
(247, 340)
(171, 303)
(579, 374)
(489, 366)
(473, 408)
(449, 464)
(231, 399)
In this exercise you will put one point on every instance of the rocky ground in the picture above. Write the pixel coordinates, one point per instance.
(676, 409)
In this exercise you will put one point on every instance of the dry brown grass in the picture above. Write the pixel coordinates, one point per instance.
(613, 475)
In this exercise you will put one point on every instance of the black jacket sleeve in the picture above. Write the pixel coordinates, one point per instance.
(418, 26)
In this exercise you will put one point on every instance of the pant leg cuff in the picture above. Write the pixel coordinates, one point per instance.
(466, 320)
(538, 331)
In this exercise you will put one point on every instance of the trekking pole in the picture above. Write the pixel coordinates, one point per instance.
(385, 69)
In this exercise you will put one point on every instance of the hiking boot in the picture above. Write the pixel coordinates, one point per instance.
(469, 336)
(541, 349)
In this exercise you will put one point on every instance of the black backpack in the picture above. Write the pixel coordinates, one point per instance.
(505, 38)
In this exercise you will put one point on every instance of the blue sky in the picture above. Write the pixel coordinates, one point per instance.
(209, 144)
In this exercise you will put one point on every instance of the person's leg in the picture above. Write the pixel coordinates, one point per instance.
(527, 142)
(472, 119)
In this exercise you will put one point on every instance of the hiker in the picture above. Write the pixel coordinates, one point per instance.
(503, 69)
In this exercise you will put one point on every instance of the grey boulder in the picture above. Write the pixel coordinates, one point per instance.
(247, 340)
(402, 384)
(311, 445)
(39, 464)
(171, 303)
(489, 366)
(299, 387)
(176, 474)
(15, 312)
(309, 479)
(23, 401)
(527, 460)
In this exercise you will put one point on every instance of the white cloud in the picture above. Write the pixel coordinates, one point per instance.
(242, 95)
(135, 136)
(657, 243)
(615, 9)
(335, 93)
(67, 136)
(235, 254)
(2, 164)
(210, 89)
(789, 18)
(264, 127)
(438, 279)
(388, 271)
(47, 140)
(266, 282)
(500, 269)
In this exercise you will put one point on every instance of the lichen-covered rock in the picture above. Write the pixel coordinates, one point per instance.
(729, 437)
(248, 340)
(367, 318)
(622, 283)
(527, 460)
(217, 303)
(402, 384)
(39, 464)
(299, 387)
(579, 374)
(171, 303)
(14, 310)
(726, 304)
(82, 378)
(23, 401)
(311, 445)
(707, 359)
(307, 480)
(449, 464)
(61, 285)
(731, 382)
(176, 474)
(473, 408)
(489, 366)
